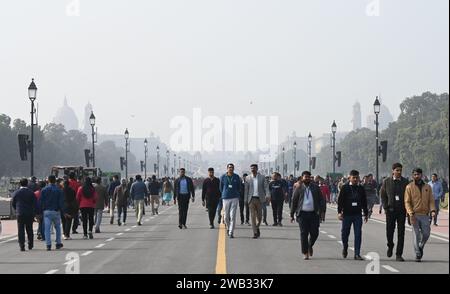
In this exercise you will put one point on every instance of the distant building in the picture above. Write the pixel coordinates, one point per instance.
(384, 119)
(66, 116)
(356, 120)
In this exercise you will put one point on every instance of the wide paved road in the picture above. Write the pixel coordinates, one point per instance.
(159, 246)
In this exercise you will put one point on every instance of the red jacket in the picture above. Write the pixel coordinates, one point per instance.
(325, 191)
(74, 185)
(84, 202)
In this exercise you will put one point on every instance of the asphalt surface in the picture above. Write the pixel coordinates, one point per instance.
(160, 247)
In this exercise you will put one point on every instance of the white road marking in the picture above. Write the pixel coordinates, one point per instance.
(134, 226)
(323, 232)
(51, 272)
(368, 257)
(127, 230)
(351, 248)
(110, 239)
(118, 234)
(70, 261)
(332, 237)
(87, 253)
(147, 220)
(100, 245)
(390, 268)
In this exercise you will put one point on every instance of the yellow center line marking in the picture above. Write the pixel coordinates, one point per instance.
(221, 263)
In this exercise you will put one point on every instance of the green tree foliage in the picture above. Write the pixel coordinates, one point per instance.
(53, 146)
(419, 138)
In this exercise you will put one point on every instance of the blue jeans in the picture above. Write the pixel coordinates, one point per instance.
(347, 222)
(49, 218)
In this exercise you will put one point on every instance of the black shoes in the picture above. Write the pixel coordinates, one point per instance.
(280, 224)
(30, 246)
(91, 236)
(255, 236)
(97, 231)
(139, 224)
(421, 252)
(418, 258)
(389, 251)
(22, 248)
(358, 257)
(184, 227)
(49, 248)
(180, 226)
(265, 222)
(275, 224)
(258, 233)
(310, 251)
(211, 226)
(231, 236)
(344, 253)
(74, 232)
(119, 224)
(399, 258)
(59, 246)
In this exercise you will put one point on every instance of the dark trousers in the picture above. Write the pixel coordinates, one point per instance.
(183, 205)
(67, 225)
(122, 209)
(212, 207)
(277, 208)
(76, 221)
(244, 205)
(393, 217)
(25, 223)
(356, 220)
(309, 223)
(87, 214)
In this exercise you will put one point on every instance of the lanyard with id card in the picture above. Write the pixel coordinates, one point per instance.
(230, 183)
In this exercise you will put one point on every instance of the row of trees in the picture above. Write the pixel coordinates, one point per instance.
(53, 146)
(419, 138)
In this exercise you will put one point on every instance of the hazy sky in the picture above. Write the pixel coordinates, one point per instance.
(306, 61)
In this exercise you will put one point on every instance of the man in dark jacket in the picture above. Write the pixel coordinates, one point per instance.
(243, 204)
(352, 199)
(184, 190)
(211, 195)
(277, 196)
(24, 203)
(392, 197)
(308, 207)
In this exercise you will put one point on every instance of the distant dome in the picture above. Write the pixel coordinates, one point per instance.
(66, 116)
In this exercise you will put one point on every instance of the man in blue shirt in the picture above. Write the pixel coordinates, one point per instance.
(438, 192)
(230, 187)
(184, 189)
(52, 204)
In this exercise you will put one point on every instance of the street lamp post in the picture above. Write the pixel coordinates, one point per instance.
(92, 122)
(333, 145)
(376, 109)
(295, 157)
(283, 162)
(127, 136)
(145, 158)
(167, 157)
(32, 89)
(157, 161)
(309, 151)
(174, 164)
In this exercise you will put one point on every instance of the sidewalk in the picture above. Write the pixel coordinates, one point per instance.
(440, 230)
(9, 229)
